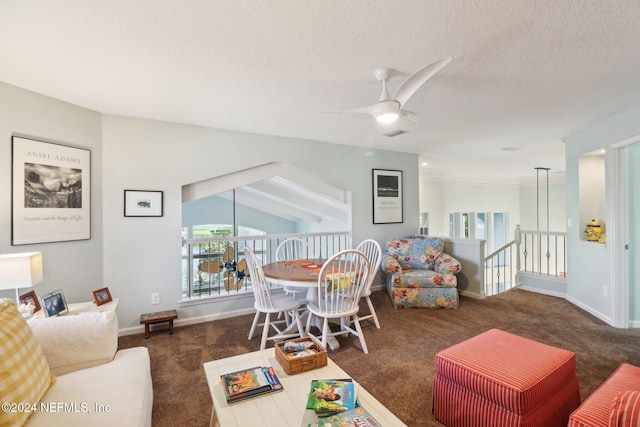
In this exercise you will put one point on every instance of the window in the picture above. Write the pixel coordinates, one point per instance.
(210, 269)
(490, 226)
(259, 213)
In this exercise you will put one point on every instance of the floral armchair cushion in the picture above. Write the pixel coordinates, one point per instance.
(418, 254)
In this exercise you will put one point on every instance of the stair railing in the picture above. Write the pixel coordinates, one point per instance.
(542, 253)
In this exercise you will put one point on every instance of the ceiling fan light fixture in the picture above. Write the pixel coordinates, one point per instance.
(386, 111)
(387, 118)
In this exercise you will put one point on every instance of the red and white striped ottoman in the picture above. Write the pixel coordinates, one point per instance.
(615, 403)
(500, 379)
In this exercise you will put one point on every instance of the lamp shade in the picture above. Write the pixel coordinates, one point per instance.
(20, 270)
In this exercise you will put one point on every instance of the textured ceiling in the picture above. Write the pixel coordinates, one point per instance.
(524, 74)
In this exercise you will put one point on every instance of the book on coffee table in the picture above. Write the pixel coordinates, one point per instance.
(331, 396)
(252, 382)
(358, 417)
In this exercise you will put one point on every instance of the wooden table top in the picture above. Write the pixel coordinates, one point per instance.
(286, 270)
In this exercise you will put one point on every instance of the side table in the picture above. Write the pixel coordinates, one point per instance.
(86, 307)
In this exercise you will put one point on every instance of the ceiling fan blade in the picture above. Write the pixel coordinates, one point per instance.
(409, 115)
(364, 110)
(417, 79)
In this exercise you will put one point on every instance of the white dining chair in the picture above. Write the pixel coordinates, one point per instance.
(373, 252)
(294, 248)
(268, 304)
(341, 281)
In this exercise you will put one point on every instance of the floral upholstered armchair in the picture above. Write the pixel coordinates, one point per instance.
(420, 274)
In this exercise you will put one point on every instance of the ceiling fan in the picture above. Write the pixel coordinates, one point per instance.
(388, 109)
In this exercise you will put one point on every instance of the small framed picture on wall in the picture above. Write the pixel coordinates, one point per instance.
(143, 203)
(387, 196)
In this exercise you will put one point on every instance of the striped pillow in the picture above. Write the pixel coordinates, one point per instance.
(24, 372)
(625, 410)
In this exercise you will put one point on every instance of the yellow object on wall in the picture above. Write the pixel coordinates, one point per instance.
(593, 231)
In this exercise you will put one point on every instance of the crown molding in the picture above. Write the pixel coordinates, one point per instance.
(504, 181)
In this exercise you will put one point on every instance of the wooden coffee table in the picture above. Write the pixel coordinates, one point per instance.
(287, 408)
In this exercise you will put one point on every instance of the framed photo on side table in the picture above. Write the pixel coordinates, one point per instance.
(54, 304)
(30, 298)
(143, 203)
(102, 296)
(387, 196)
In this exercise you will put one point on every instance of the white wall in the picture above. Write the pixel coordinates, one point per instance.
(137, 256)
(441, 198)
(75, 267)
(142, 255)
(634, 232)
(518, 200)
(591, 266)
(432, 202)
(216, 210)
(591, 189)
(533, 198)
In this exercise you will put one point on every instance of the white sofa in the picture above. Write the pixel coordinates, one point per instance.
(91, 382)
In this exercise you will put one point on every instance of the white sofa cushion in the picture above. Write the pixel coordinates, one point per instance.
(118, 393)
(77, 341)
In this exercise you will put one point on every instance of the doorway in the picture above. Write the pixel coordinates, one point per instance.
(625, 253)
(633, 231)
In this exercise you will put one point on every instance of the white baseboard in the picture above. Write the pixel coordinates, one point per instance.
(207, 318)
(189, 321)
(542, 291)
(473, 295)
(591, 311)
(378, 287)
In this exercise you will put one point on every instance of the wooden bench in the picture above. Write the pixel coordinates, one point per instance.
(159, 317)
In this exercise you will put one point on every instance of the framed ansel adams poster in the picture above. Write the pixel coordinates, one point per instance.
(387, 196)
(50, 192)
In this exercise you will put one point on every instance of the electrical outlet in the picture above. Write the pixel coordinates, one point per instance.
(605, 291)
(155, 298)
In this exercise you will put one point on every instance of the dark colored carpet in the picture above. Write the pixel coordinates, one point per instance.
(400, 366)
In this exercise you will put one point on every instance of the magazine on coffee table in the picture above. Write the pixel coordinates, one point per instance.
(358, 417)
(332, 396)
(248, 383)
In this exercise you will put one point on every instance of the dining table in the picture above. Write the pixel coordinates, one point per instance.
(299, 273)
